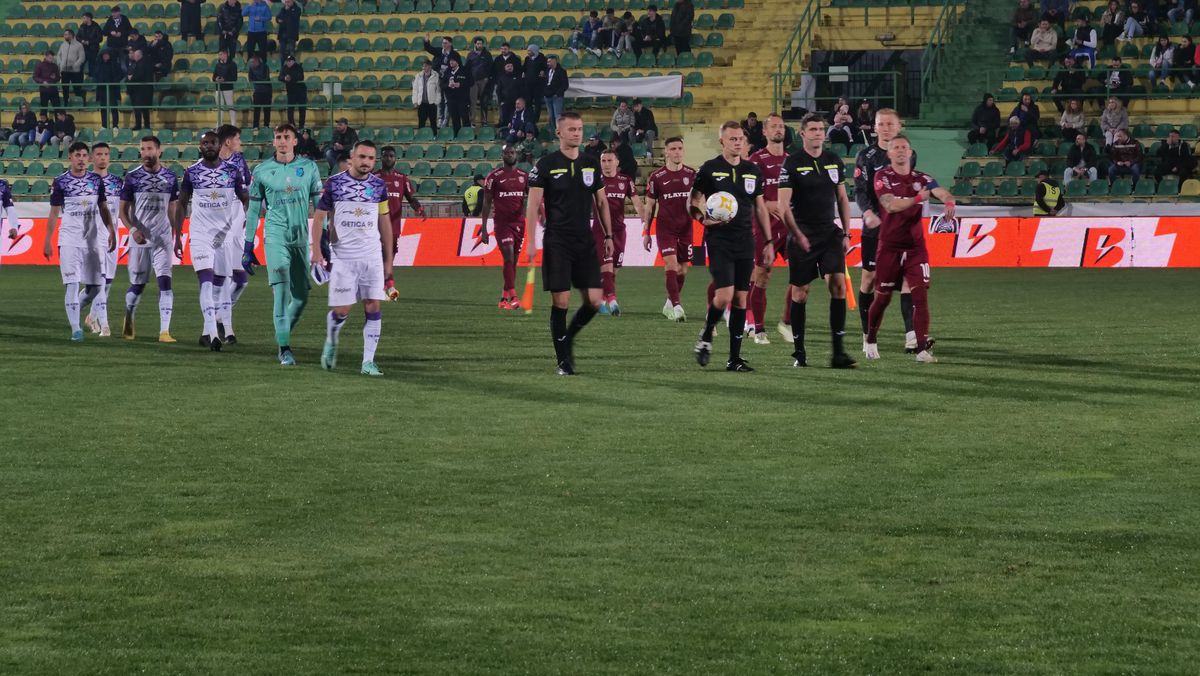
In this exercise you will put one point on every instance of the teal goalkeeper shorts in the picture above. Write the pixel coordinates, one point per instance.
(288, 263)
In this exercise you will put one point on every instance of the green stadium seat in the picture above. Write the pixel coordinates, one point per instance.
(1145, 187)
(442, 170)
(448, 188)
(977, 150)
(1007, 188)
(1123, 186)
(993, 170)
(1035, 166)
(1096, 188)
(455, 152)
(427, 187)
(435, 152)
(962, 189)
(969, 170)
(985, 189)
(422, 169)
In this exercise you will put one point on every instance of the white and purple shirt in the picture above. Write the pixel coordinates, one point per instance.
(356, 205)
(216, 196)
(79, 197)
(112, 193)
(241, 170)
(151, 192)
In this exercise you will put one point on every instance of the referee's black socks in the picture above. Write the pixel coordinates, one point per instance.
(737, 329)
(798, 311)
(710, 321)
(906, 311)
(837, 323)
(558, 332)
(582, 316)
(865, 298)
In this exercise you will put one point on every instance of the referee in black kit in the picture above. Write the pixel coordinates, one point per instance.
(571, 184)
(730, 244)
(811, 184)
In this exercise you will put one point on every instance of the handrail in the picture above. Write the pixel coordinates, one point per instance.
(938, 38)
(890, 100)
(797, 46)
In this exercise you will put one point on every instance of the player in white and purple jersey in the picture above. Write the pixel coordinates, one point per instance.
(218, 202)
(148, 200)
(97, 319)
(231, 152)
(78, 197)
(9, 211)
(360, 235)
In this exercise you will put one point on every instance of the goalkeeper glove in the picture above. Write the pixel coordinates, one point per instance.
(389, 287)
(248, 258)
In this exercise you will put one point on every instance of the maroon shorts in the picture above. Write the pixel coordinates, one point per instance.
(893, 266)
(396, 222)
(779, 238)
(678, 244)
(512, 234)
(618, 256)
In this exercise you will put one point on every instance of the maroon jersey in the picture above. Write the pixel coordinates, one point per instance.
(902, 230)
(673, 192)
(399, 189)
(508, 188)
(771, 164)
(617, 189)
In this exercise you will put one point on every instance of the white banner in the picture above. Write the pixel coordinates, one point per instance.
(663, 87)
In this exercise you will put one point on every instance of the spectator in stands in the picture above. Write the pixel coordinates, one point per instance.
(292, 77)
(1184, 11)
(985, 123)
(645, 129)
(1162, 58)
(427, 96)
(23, 124)
(534, 69)
(344, 138)
(1114, 118)
(864, 123)
(587, 34)
(842, 128)
(556, 88)
(1072, 119)
(594, 146)
(62, 132)
(683, 16)
(1174, 157)
(1028, 113)
(1185, 61)
(225, 74)
(505, 57)
(1137, 23)
(116, 31)
(521, 128)
(1024, 19)
(288, 21)
(1048, 196)
(189, 19)
(610, 30)
(89, 35)
(623, 120)
(651, 32)
(1043, 44)
(441, 66)
(47, 75)
(1119, 80)
(1081, 160)
(43, 131)
(1016, 142)
(1068, 81)
(137, 41)
(1112, 23)
(258, 14)
(1083, 41)
(473, 197)
(1056, 11)
(626, 162)
(229, 26)
(509, 86)
(1126, 157)
(71, 59)
(259, 75)
(307, 146)
(479, 66)
(141, 88)
(754, 132)
(162, 55)
(627, 38)
(458, 94)
(107, 74)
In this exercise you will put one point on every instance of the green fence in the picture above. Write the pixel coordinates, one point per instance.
(791, 59)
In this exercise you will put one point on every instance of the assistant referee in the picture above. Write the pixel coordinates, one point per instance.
(571, 184)
(812, 183)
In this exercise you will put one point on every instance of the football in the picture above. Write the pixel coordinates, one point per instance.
(721, 207)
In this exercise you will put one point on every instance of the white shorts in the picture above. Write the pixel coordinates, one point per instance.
(80, 265)
(108, 261)
(146, 261)
(355, 279)
(209, 251)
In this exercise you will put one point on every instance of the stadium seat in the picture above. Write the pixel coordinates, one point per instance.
(1123, 186)
(969, 170)
(986, 189)
(1168, 187)
(994, 169)
(1008, 188)
(1190, 188)
(1097, 188)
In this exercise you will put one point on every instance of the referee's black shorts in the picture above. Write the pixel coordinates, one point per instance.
(730, 266)
(868, 247)
(570, 263)
(826, 255)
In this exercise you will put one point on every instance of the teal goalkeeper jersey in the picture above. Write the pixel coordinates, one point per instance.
(286, 191)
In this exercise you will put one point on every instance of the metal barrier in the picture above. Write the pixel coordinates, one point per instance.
(792, 57)
(939, 37)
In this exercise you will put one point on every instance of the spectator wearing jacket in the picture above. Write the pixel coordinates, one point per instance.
(985, 123)
(189, 19)
(556, 88)
(1112, 23)
(162, 55)
(1068, 81)
(1137, 22)
(683, 16)
(225, 74)
(626, 162)
(651, 32)
(344, 138)
(1028, 113)
(43, 131)
(427, 96)
(1056, 11)
(1024, 18)
(645, 129)
(504, 58)
(1184, 11)
(1114, 118)
(258, 20)
(259, 75)
(521, 128)
(116, 35)
(479, 67)
(1047, 196)
(610, 30)
(288, 21)
(627, 39)
(140, 85)
(62, 129)
(841, 128)
(307, 146)
(1081, 160)
(71, 59)
(23, 125)
(441, 65)
(91, 37)
(1072, 120)
(458, 95)
(47, 75)
(755, 136)
(1185, 61)
(1162, 59)
(1043, 44)
(137, 41)
(1119, 81)
(1083, 42)
(229, 26)
(623, 121)
(534, 67)
(1016, 142)
(586, 35)
(1125, 156)
(292, 77)
(108, 76)
(509, 86)
(1174, 157)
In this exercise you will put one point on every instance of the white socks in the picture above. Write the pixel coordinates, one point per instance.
(100, 306)
(371, 332)
(71, 302)
(207, 309)
(166, 303)
(333, 327)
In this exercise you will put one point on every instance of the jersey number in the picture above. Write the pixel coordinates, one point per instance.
(925, 270)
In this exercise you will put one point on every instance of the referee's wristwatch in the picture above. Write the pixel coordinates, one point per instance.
(608, 237)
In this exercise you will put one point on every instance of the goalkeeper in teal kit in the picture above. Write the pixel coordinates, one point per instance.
(286, 186)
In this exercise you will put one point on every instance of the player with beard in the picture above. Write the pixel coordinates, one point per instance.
(504, 189)
(399, 189)
(771, 159)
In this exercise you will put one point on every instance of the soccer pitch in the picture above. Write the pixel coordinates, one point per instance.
(1028, 505)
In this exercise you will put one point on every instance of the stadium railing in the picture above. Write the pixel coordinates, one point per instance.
(791, 58)
(941, 34)
(881, 86)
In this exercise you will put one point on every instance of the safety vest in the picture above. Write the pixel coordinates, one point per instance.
(471, 199)
(1052, 194)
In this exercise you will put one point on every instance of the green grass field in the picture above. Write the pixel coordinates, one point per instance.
(1029, 505)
